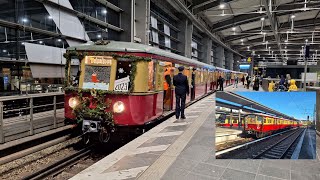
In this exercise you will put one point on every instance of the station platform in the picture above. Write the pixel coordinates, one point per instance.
(242, 87)
(173, 149)
(226, 134)
(308, 146)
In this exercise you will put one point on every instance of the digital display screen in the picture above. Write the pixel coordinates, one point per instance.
(244, 66)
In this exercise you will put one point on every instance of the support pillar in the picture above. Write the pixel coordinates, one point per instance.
(188, 39)
(127, 20)
(142, 21)
(220, 58)
(207, 46)
(229, 60)
(236, 63)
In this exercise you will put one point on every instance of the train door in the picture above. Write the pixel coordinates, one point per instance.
(260, 124)
(168, 72)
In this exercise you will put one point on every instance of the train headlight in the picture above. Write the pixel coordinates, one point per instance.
(73, 102)
(118, 107)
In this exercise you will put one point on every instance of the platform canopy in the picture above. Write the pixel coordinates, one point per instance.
(273, 31)
(248, 103)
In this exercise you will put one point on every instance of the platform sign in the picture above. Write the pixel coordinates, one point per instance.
(122, 84)
(249, 59)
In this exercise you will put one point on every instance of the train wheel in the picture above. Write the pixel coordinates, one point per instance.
(104, 135)
(259, 135)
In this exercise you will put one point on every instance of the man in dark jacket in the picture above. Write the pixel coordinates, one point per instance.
(180, 82)
(220, 83)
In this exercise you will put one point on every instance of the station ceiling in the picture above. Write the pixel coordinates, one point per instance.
(245, 102)
(269, 30)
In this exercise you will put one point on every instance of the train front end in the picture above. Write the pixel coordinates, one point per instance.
(107, 92)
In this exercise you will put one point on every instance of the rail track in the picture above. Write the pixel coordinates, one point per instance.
(280, 149)
(277, 146)
(58, 167)
(65, 162)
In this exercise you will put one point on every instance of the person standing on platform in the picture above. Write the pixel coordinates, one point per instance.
(242, 80)
(167, 88)
(180, 81)
(256, 84)
(220, 83)
(193, 84)
(236, 81)
(248, 81)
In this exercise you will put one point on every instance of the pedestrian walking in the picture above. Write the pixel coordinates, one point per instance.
(236, 81)
(242, 80)
(220, 83)
(193, 84)
(180, 81)
(248, 81)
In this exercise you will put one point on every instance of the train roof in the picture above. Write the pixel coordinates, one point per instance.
(118, 46)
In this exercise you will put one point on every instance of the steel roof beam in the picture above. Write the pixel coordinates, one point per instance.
(298, 24)
(205, 29)
(207, 5)
(247, 18)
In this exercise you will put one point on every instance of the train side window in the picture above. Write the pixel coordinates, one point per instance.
(259, 118)
(151, 79)
(74, 71)
(159, 76)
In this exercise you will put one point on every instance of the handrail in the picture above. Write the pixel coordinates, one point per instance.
(29, 106)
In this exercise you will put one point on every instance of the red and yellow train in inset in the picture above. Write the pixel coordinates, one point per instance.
(261, 125)
(113, 86)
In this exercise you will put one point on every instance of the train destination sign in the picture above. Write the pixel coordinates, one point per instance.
(99, 60)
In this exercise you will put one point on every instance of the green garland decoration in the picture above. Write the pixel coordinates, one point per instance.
(84, 111)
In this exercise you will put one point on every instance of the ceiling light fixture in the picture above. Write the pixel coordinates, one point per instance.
(293, 16)
(262, 19)
(222, 6)
(234, 29)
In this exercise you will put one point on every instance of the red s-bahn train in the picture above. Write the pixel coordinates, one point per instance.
(261, 125)
(113, 86)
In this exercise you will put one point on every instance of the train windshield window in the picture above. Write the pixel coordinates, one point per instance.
(250, 119)
(123, 75)
(97, 77)
(259, 118)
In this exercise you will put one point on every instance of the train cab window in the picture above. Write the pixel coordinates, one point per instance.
(259, 119)
(250, 119)
(74, 71)
(201, 76)
(235, 121)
